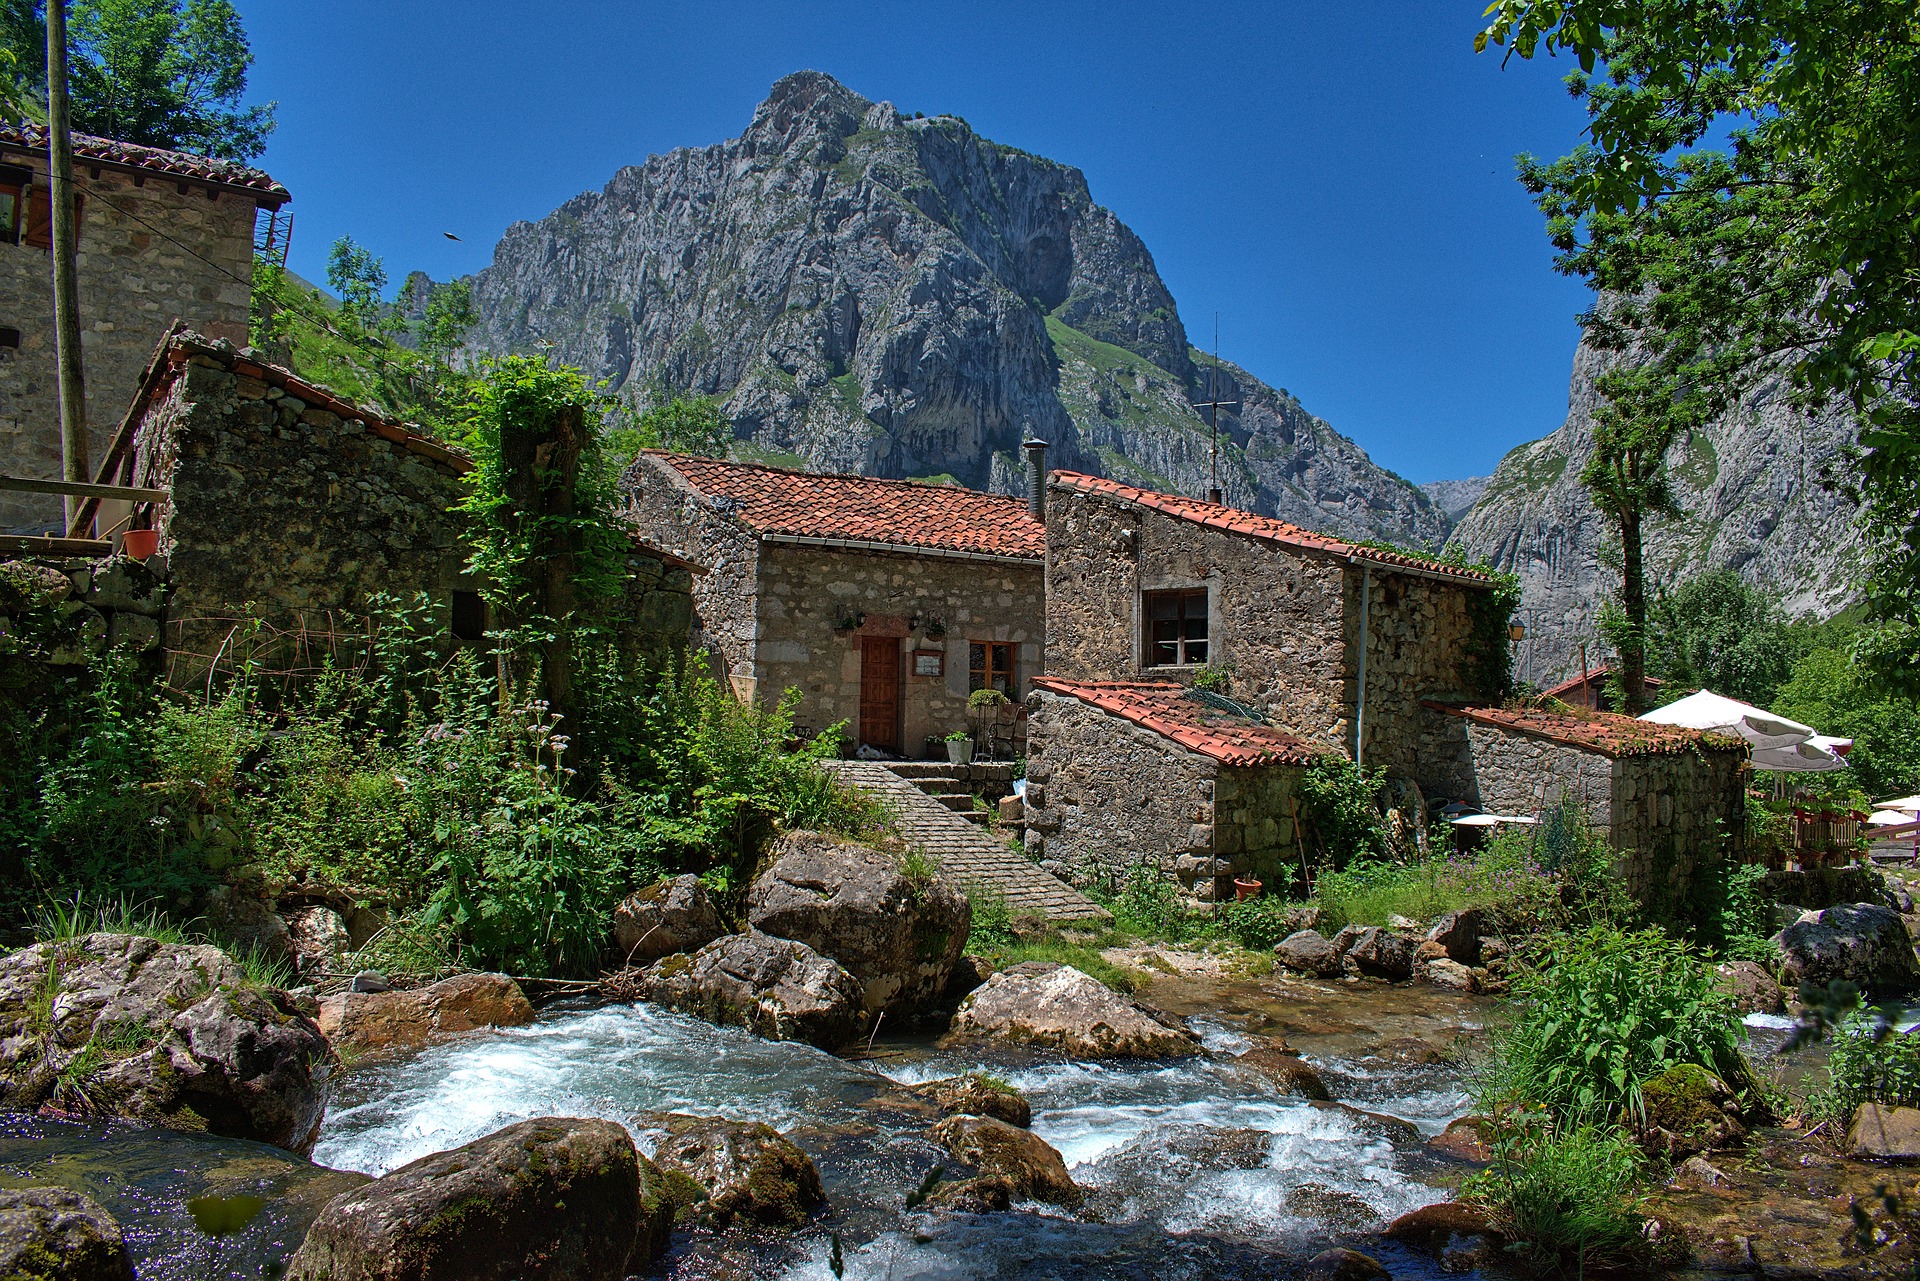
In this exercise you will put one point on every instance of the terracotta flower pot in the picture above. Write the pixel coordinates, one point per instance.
(1244, 890)
(140, 543)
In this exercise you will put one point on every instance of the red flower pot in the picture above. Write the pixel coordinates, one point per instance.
(1244, 890)
(140, 543)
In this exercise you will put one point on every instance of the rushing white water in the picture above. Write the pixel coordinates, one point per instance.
(1198, 1168)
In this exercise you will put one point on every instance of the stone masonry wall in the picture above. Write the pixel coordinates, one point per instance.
(1258, 822)
(1286, 619)
(148, 253)
(286, 510)
(1521, 774)
(1675, 815)
(1105, 795)
(804, 592)
(664, 511)
(65, 611)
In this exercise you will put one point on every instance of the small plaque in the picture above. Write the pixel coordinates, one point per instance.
(929, 662)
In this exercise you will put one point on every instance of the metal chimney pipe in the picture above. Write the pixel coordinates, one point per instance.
(1036, 477)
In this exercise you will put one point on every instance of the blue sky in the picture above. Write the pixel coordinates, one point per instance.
(1335, 180)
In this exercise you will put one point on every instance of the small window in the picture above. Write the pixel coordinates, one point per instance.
(1176, 628)
(9, 337)
(469, 616)
(14, 181)
(990, 666)
(39, 232)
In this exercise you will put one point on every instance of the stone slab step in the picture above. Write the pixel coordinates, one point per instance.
(961, 803)
(921, 769)
(943, 787)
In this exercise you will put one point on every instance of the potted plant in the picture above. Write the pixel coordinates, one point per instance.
(1245, 888)
(935, 629)
(960, 747)
(140, 543)
(933, 747)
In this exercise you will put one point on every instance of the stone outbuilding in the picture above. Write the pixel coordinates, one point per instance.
(1335, 642)
(162, 236)
(1121, 773)
(1669, 798)
(885, 603)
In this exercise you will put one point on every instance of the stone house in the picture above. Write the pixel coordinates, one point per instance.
(1124, 772)
(1670, 798)
(885, 603)
(1149, 586)
(163, 236)
(289, 505)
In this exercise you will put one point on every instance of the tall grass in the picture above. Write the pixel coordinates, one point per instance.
(68, 919)
(1567, 1202)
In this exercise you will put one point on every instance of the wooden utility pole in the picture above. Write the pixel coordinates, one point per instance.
(66, 267)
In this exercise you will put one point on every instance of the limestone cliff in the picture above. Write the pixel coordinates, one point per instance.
(899, 296)
(1751, 492)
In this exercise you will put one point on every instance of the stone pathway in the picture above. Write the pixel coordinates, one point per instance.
(964, 852)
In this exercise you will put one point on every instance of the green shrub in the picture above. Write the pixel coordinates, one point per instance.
(1869, 1064)
(1606, 1010)
(1569, 1201)
(1079, 955)
(1149, 904)
(1258, 923)
(992, 928)
(1343, 819)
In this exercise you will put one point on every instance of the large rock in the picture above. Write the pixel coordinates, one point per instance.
(374, 1021)
(1057, 1007)
(1459, 933)
(976, 1095)
(247, 924)
(751, 1173)
(777, 988)
(1020, 1164)
(170, 1034)
(1284, 1069)
(53, 1234)
(554, 1197)
(672, 915)
(899, 935)
(1433, 1227)
(1308, 951)
(1375, 952)
(1344, 1265)
(318, 938)
(1687, 1109)
(1883, 1133)
(1864, 943)
(1753, 987)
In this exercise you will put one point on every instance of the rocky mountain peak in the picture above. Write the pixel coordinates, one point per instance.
(896, 295)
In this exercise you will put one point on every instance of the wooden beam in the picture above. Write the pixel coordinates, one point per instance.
(122, 441)
(80, 489)
(58, 546)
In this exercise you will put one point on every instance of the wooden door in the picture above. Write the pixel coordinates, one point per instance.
(880, 692)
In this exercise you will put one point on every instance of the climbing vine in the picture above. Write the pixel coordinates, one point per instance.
(1489, 647)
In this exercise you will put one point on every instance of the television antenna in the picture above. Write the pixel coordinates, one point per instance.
(1213, 407)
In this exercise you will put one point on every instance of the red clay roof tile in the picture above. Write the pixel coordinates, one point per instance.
(175, 164)
(900, 513)
(1268, 528)
(1168, 709)
(1606, 733)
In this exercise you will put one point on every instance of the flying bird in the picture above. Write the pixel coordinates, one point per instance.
(449, 235)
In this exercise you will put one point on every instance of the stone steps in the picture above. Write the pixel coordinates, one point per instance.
(959, 803)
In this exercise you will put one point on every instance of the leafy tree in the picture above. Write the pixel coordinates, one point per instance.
(1745, 191)
(1718, 632)
(162, 73)
(357, 275)
(688, 425)
(1831, 693)
(1638, 421)
(447, 316)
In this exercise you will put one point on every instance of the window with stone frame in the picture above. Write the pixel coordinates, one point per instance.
(990, 666)
(1175, 627)
(14, 182)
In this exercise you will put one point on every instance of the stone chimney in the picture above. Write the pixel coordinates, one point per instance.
(1036, 477)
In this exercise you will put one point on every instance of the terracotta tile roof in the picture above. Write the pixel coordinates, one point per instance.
(898, 513)
(1596, 676)
(175, 164)
(1168, 709)
(185, 346)
(1220, 516)
(1606, 733)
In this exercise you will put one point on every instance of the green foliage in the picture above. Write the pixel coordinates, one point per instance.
(1505, 879)
(992, 928)
(1831, 692)
(1342, 817)
(1568, 1201)
(1149, 904)
(1789, 248)
(161, 73)
(1080, 956)
(1258, 923)
(1715, 631)
(358, 277)
(1745, 925)
(683, 425)
(1869, 1063)
(446, 314)
(1606, 1010)
(1214, 677)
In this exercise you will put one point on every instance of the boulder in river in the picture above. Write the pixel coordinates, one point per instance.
(1375, 952)
(975, 1094)
(53, 1234)
(554, 1197)
(776, 988)
(1753, 987)
(1283, 1067)
(1687, 1109)
(1056, 1007)
(1433, 1227)
(1864, 943)
(167, 1033)
(1344, 1265)
(395, 1020)
(1308, 951)
(1019, 1161)
(1448, 974)
(1883, 1133)
(752, 1174)
(318, 938)
(899, 934)
(675, 914)
(1459, 933)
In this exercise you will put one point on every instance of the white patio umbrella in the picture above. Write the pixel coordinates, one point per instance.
(1715, 712)
(1910, 804)
(1808, 757)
